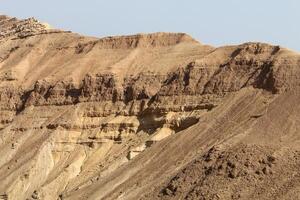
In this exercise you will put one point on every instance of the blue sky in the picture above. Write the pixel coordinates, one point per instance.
(215, 22)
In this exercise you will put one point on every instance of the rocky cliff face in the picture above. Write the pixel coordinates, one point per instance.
(127, 117)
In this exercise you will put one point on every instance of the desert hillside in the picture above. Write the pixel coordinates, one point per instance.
(146, 116)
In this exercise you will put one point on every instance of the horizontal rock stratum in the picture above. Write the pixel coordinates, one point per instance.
(147, 116)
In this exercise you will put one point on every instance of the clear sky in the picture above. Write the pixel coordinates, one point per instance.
(215, 22)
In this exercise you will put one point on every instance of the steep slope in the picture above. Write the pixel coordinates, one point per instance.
(244, 146)
(148, 116)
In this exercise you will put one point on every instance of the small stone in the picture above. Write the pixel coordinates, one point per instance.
(271, 159)
(167, 191)
(208, 171)
(267, 170)
(232, 174)
(231, 164)
(34, 195)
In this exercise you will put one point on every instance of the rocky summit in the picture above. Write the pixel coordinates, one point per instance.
(146, 116)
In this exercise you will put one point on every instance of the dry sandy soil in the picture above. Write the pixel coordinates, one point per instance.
(147, 116)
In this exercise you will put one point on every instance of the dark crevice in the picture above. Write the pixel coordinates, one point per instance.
(265, 79)
(24, 97)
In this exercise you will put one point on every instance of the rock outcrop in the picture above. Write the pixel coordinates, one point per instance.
(18, 29)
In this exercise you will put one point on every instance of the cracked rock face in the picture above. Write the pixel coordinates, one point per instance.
(148, 116)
